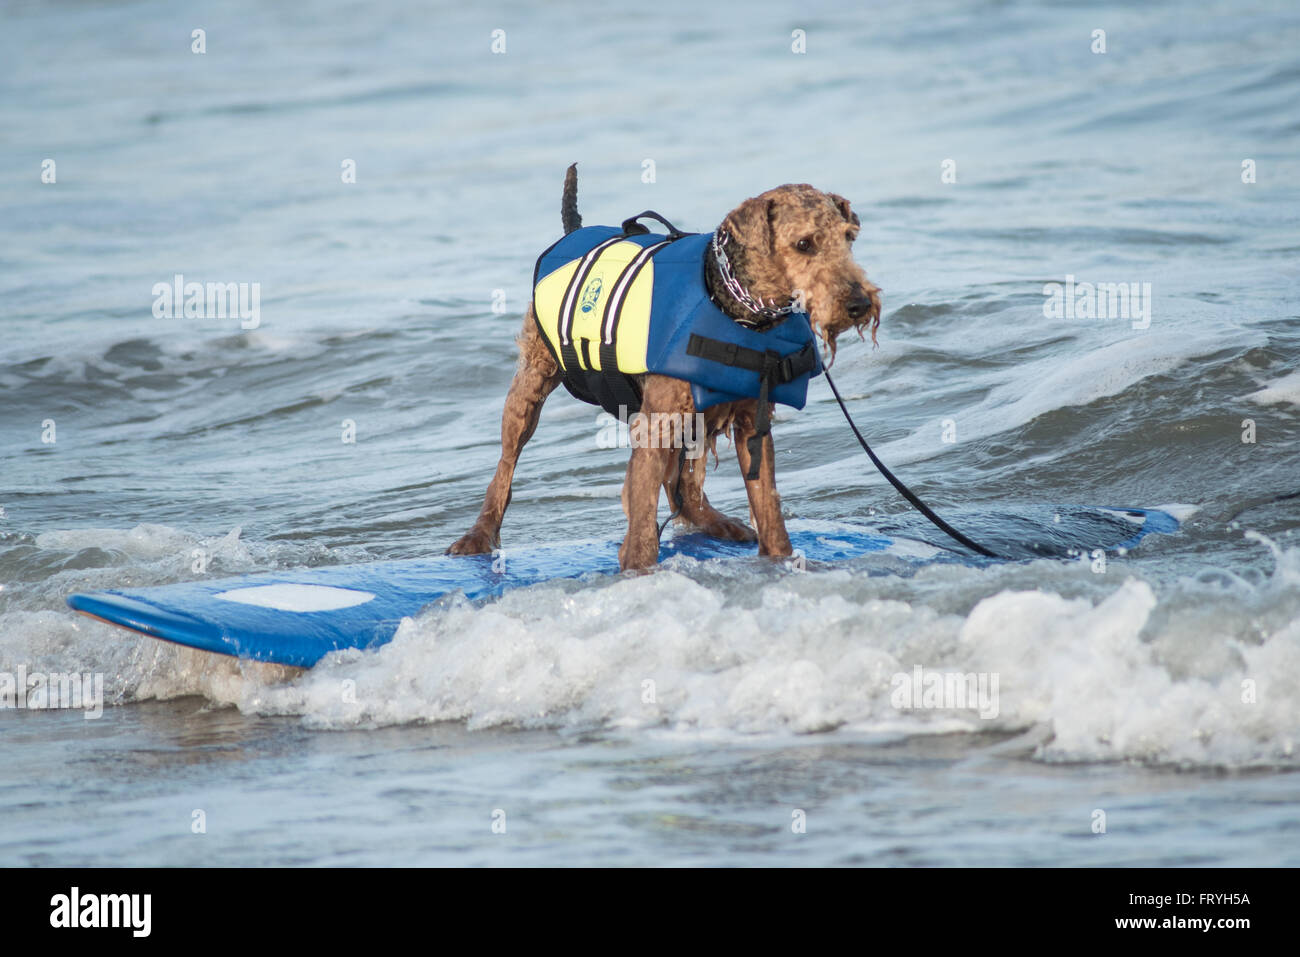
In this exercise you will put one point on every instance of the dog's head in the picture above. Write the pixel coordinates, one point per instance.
(797, 242)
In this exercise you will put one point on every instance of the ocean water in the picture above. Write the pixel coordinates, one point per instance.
(989, 152)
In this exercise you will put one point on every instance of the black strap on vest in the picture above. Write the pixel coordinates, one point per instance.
(773, 370)
(632, 228)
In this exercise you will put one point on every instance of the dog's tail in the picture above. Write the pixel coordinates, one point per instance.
(569, 205)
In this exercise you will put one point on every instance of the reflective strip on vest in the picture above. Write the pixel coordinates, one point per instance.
(598, 303)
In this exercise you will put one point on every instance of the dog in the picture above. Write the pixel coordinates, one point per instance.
(776, 257)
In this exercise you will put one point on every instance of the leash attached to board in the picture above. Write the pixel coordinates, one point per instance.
(903, 489)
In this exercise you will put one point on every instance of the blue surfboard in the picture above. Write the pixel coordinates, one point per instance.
(297, 617)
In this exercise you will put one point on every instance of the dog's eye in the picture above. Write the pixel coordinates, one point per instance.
(804, 245)
(848, 234)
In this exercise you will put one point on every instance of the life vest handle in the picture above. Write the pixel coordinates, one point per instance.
(632, 228)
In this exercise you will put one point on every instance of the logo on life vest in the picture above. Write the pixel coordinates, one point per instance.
(590, 293)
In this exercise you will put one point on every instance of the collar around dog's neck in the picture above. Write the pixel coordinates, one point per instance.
(760, 314)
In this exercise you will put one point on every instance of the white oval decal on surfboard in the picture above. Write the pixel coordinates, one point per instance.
(297, 597)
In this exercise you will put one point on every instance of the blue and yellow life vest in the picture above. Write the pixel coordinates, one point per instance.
(613, 304)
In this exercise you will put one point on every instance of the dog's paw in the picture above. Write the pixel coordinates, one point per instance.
(638, 555)
(474, 542)
(720, 526)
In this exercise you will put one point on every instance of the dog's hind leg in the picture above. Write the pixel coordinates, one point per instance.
(536, 378)
(688, 482)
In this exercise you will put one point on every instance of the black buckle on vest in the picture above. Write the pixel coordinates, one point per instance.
(782, 370)
(785, 369)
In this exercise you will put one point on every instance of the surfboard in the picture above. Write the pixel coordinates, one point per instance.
(296, 617)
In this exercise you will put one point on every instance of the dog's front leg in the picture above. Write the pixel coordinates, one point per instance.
(764, 502)
(656, 449)
(647, 470)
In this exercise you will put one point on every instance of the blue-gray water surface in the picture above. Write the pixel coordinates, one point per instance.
(388, 173)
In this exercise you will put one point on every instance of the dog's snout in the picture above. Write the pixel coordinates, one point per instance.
(859, 305)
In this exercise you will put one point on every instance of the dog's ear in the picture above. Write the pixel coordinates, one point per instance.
(752, 224)
(845, 209)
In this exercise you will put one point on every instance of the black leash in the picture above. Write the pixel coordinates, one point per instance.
(906, 492)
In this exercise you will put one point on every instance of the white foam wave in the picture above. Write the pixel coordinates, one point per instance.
(145, 542)
(1193, 673)
(1285, 389)
(1116, 676)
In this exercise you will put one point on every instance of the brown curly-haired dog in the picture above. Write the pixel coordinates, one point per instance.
(790, 242)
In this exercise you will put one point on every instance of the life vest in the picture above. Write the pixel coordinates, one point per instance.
(613, 304)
